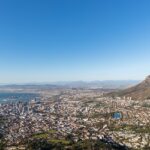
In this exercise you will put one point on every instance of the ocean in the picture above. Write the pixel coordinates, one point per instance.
(12, 97)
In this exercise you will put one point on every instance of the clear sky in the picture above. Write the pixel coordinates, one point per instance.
(69, 40)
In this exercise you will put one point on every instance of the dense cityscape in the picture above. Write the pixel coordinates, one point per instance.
(76, 115)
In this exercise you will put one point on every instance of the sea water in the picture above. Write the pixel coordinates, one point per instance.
(12, 97)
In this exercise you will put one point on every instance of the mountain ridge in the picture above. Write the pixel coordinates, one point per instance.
(139, 91)
(108, 84)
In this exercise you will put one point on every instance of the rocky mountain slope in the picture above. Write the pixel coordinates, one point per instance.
(140, 91)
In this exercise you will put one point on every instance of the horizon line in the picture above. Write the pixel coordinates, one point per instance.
(65, 81)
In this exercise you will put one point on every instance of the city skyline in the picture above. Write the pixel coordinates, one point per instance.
(74, 40)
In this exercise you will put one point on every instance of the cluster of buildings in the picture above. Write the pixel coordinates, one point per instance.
(83, 114)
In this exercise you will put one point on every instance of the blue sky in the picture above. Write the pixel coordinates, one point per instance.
(69, 40)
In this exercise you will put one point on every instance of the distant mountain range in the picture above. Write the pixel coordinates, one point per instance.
(140, 91)
(108, 84)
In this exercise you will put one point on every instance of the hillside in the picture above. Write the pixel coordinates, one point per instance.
(140, 91)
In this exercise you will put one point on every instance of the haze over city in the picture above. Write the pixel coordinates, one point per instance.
(47, 41)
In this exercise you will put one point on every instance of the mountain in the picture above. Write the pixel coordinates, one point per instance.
(107, 84)
(140, 91)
